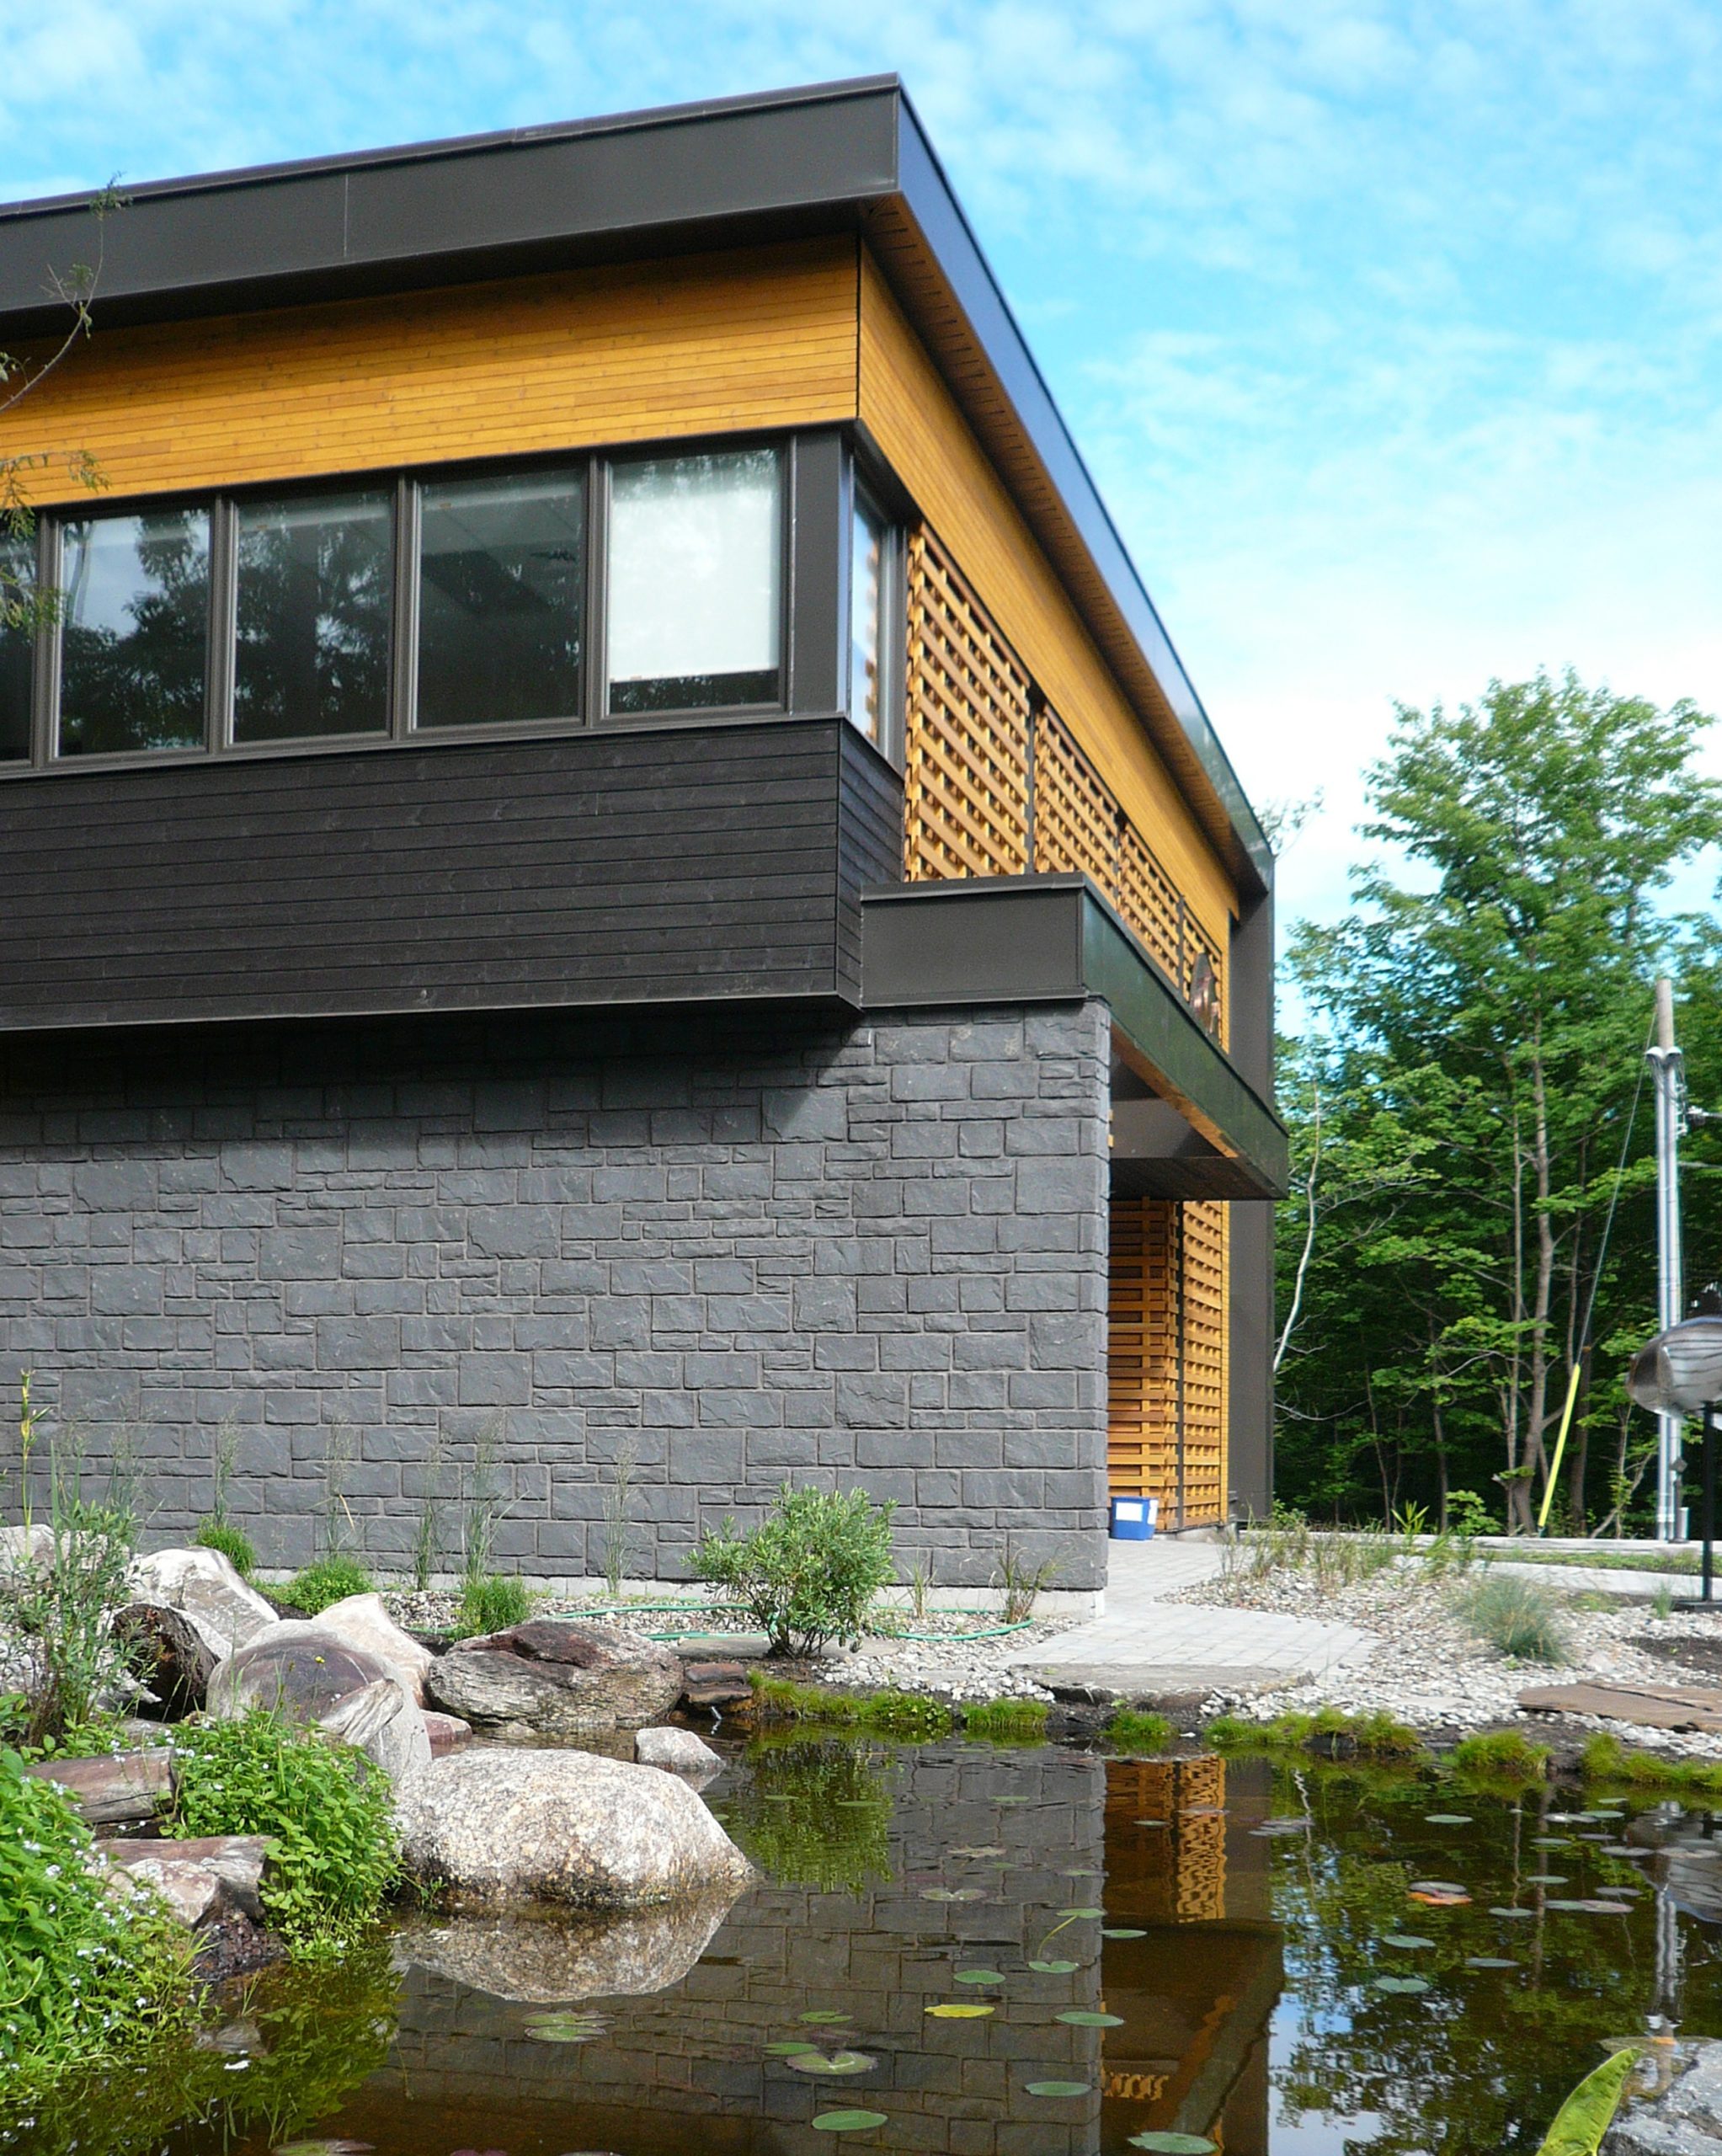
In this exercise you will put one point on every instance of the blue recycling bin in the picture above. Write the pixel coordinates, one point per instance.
(1134, 1519)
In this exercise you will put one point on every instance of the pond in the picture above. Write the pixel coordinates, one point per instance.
(1031, 1951)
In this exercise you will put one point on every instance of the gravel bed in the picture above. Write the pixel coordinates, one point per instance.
(1431, 1670)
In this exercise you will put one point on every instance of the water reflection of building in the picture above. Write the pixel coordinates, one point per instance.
(1196, 1990)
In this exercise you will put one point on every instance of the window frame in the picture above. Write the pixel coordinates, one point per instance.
(864, 494)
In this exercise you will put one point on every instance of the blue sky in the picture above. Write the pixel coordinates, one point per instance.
(1393, 332)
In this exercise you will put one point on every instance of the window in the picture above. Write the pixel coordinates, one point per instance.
(314, 596)
(871, 611)
(502, 597)
(134, 632)
(17, 586)
(695, 584)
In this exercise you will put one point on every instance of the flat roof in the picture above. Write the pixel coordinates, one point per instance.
(839, 156)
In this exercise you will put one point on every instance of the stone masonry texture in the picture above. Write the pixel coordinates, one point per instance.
(744, 1251)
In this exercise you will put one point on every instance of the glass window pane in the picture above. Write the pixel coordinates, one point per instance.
(868, 618)
(501, 596)
(695, 581)
(312, 655)
(18, 592)
(135, 633)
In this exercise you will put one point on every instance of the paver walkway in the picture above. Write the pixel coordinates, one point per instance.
(1144, 1644)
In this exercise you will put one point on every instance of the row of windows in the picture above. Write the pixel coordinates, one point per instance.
(286, 619)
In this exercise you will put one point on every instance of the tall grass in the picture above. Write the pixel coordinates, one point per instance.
(1520, 1619)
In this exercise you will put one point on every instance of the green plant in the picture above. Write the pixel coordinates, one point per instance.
(1519, 1618)
(1589, 2111)
(1021, 1585)
(1662, 1601)
(1468, 1516)
(1006, 1721)
(329, 1580)
(233, 1543)
(618, 1495)
(85, 1975)
(224, 1458)
(1328, 1731)
(1411, 1521)
(1606, 1759)
(1142, 1731)
(482, 1500)
(1500, 1755)
(491, 1603)
(920, 1585)
(911, 1714)
(337, 1529)
(331, 1818)
(811, 1573)
(429, 1536)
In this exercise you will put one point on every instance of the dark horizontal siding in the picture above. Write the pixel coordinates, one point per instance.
(665, 864)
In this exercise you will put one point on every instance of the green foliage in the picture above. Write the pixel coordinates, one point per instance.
(1328, 1731)
(1468, 1515)
(84, 1977)
(1142, 1731)
(814, 1813)
(1519, 1618)
(1588, 2113)
(909, 1715)
(328, 1581)
(1502, 1756)
(336, 1857)
(1006, 1721)
(233, 1543)
(490, 1603)
(811, 1573)
(1606, 1759)
(1020, 1585)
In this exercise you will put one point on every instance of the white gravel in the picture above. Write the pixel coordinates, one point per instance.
(1430, 1669)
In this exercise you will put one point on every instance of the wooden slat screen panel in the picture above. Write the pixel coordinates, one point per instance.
(1075, 817)
(1166, 1345)
(1203, 1282)
(1187, 1864)
(966, 747)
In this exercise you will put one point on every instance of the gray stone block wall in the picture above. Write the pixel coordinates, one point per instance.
(871, 1251)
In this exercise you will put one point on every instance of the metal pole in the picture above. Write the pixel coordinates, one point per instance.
(1708, 1516)
(1666, 1065)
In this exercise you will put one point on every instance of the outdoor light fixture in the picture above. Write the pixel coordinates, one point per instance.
(1680, 1373)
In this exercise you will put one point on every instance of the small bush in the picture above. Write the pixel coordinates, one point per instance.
(1503, 1755)
(491, 1603)
(328, 1581)
(331, 1818)
(1144, 1732)
(1006, 1721)
(811, 1573)
(84, 1977)
(1607, 1759)
(1468, 1515)
(1520, 1619)
(233, 1543)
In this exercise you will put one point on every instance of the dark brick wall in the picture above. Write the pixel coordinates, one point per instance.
(786, 1246)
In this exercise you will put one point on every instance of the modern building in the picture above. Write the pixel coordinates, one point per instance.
(607, 860)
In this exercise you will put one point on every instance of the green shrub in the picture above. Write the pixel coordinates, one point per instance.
(331, 1818)
(233, 1543)
(491, 1603)
(1519, 1618)
(1502, 1755)
(1468, 1515)
(84, 1977)
(1607, 1759)
(1143, 1731)
(1006, 1721)
(810, 1574)
(328, 1581)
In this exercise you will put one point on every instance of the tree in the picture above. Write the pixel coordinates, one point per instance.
(1487, 1002)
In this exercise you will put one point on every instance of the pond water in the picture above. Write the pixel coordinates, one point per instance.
(1262, 1958)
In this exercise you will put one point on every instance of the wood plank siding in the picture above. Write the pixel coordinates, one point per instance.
(630, 352)
(678, 864)
(1167, 1349)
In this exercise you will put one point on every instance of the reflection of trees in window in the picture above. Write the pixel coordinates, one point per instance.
(313, 617)
(136, 633)
(18, 620)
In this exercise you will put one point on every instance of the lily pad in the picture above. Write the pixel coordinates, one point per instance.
(824, 2017)
(1057, 2089)
(789, 2051)
(952, 1894)
(832, 2062)
(1174, 2144)
(1054, 1968)
(1081, 2018)
(979, 1976)
(1490, 1961)
(960, 2009)
(1082, 1912)
(1593, 1906)
(1502, 1911)
(1545, 1879)
(564, 2028)
(1401, 1983)
(847, 2122)
(1122, 1931)
(1405, 1939)
(1447, 1818)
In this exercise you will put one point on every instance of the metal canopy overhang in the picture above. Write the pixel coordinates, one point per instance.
(1199, 1131)
(840, 157)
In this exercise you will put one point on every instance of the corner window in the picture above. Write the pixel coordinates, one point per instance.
(134, 633)
(502, 597)
(871, 611)
(314, 598)
(694, 616)
(18, 587)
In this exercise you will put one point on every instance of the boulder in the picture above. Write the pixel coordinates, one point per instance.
(1679, 2113)
(21, 1551)
(295, 1668)
(385, 1723)
(717, 1684)
(565, 1827)
(203, 1584)
(123, 1787)
(679, 1752)
(170, 1653)
(541, 1956)
(447, 1732)
(201, 1880)
(549, 1679)
(361, 1621)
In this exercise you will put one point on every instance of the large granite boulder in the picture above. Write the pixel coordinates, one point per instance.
(1681, 2114)
(383, 1723)
(544, 1679)
(541, 1956)
(361, 1621)
(298, 1669)
(565, 1827)
(679, 1752)
(202, 1583)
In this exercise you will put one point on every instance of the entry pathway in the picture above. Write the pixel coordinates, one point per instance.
(1145, 1646)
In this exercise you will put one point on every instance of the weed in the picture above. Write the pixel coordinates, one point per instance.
(335, 1856)
(1606, 1759)
(1141, 1732)
(233, 1543)
(1520, 1619)
(811, 1573)
(919, 1585)
(224, 1458)
(491, 1603)
(1006, 1721)
(1021, 1586)
(618, 1495)
(337, 1530)
(1412, 1522)
(330, 1580)
(1662, 1601)
(1501, 1755)
(429, 1535)
(483, 1501)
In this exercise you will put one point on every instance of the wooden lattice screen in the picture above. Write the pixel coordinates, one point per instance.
(1190, 1795)
(1166, 1347)
(966, 743)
